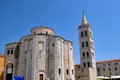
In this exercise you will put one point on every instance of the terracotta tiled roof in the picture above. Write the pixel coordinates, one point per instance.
(101, 62)
(2, 55)
(77, 64)
(108, 61)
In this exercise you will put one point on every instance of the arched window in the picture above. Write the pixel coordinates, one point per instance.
(88, 63)
(53, 44)
(84, 64)
(46, 32)
(87, 44)
(103, 69)
(86, 34)
(72, 71)
(115, 68)
(83, 54)
(59, 71)
(109, 69)
(11, 51)
(87, 54)
(8, 52)
(98, 69)
(83, 45)
(82, 35)
(67, 72)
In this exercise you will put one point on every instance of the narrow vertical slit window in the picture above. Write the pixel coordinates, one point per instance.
(8, 52)
(98, 70)
(82, 35)
(59, 70)
(87, 54)
(88, 64)
(11, 51)
(84, 64)
(109, 69)
(86, 34)
(82, 44)
(67, 71)
(83, 54)
(103, 69)
(72, 71)
(46, 32)
(53, 44)
(86, 43)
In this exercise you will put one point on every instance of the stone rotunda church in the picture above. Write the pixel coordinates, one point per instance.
(44, 56)
(40, 56)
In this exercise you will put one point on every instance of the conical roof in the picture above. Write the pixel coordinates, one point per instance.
(84, 20)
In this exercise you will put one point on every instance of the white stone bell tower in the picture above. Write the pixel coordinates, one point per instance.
(87, 54)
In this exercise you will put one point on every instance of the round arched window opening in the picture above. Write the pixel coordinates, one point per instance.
(8, 52)
(11, 51)
(46, 32)
(84, 64)
(87, 54)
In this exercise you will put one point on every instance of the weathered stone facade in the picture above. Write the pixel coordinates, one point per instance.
(106, 70)
(40, 56)
(109, 69)
(87, 54)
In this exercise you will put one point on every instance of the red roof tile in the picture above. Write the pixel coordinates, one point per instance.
(108, 61)
(101, 62)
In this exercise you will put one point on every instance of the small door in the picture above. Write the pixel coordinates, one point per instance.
(40, 76)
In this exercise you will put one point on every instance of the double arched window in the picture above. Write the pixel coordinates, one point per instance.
(10, 51)
(85, 54)
(86, 64)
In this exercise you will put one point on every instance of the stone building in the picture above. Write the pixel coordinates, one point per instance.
(40, 56)
(109, 69)
(106, 70)
(87, 54)
(2, 66)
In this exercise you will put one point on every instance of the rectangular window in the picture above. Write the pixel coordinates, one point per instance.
(98, 69)
(109, 69)
(104, 64)
(109, 64)
(115, 63)
(115, 68)
(110, 73)
(53, 45)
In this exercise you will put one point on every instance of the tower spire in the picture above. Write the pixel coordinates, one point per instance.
(84, 20)
(87, 53)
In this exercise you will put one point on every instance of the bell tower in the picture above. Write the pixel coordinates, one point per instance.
(87, 54)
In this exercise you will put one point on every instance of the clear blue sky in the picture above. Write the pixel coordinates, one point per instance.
(17, 17)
